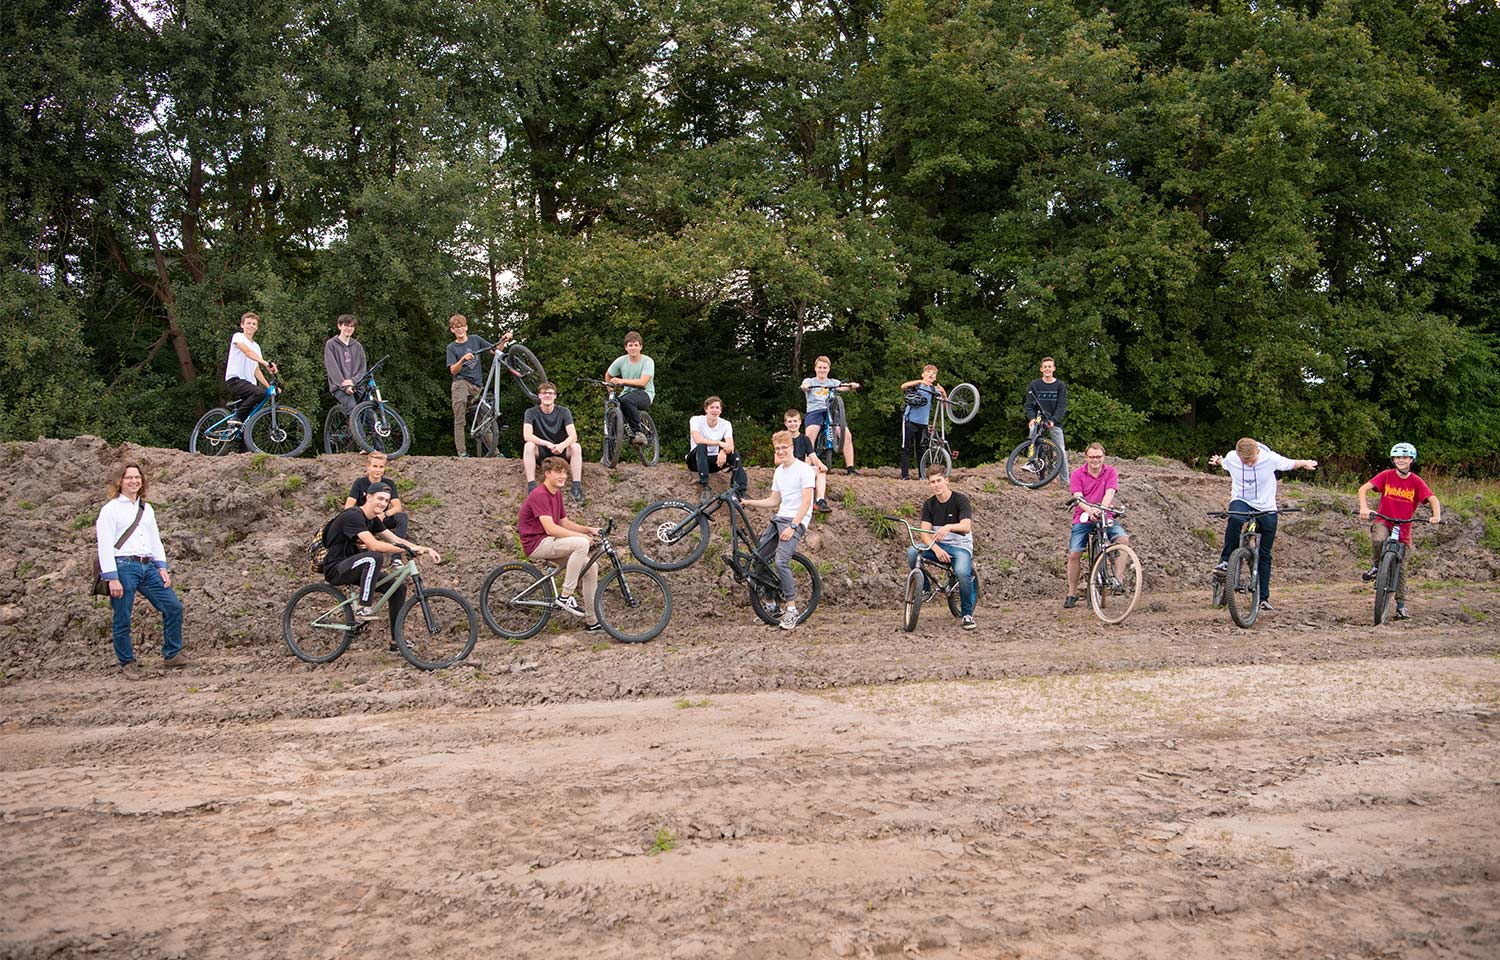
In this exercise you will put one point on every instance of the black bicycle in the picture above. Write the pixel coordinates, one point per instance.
(674, 534)
(1388, 567)
(633, 604)
(1036, 460)
(960, 407)
(1238, 585)
(516, 359)
(927, 581)
(373, 424)
(617, 435)
(272, 427)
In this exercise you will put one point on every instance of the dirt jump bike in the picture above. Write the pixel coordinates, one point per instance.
(1388, 567)
(830, 437)
(674, 534)
(434, 628)
(617, 433)
(1238, 585)
(272, 428)
(633, 604)
(960, 407)
(927, 581)
(1113, 569)
(517, 360)
(373, 424)
(1036, 460)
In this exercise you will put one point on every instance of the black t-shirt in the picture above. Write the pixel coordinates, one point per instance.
(802, 447)
(342, 535)
(940, 514)
(551, 427)
(362, 487)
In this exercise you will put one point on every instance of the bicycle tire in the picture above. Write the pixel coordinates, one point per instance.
(309, 641)
(1242, 588)
(614, 437)
(1033, 463)
(652, 444)
(212, 439)
(447, 638)
(837, 426)
(963, 403)
(934, 455)
(337, 437)
(955, 602)
(1101, 598)
(1385, 586)
(809, 587)
(664, 535)
(645, 615)
(380, 427)
(911, 600)
(526, 368)
(504, 584)
(287, 434)
(487, 436)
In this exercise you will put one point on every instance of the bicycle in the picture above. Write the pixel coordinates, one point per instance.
(830, 436)
(1036, 460)
(1114, 569)
(616, 437)
(673, 535)
(1388, 567)
(319, 622)
(633, 604)
(272, 428)
(516, 359)
(922, 581)
(1239, 584)
(960, 407)
(372, 425)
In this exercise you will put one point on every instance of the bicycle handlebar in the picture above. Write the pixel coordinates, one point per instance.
(1116, 509)
(1221, 514)
(1377, 515)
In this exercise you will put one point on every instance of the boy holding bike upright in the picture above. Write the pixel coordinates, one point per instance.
(464, 367)
(1252, 469)
(1400, 492)
(818, 389)
(916, 412)
(1047, 403)
(792, 499)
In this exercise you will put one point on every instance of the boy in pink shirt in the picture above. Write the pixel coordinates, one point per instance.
(1093, 482)
(1400, 492)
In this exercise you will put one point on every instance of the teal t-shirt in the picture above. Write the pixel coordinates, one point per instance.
(622, 367)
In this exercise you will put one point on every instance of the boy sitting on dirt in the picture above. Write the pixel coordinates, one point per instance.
(1400, 492)
(916, 412)
(711, 446)
(802, 449)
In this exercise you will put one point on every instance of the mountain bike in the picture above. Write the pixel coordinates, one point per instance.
(1239, 584)
(434, 628)
(927, 581)
(830, 436)
(1388, 567)
(1114, 569)
(633, 604)
(1036, 460)
(272, 428)
(617, 433)
(373, 424)
(516, 359)
(960, 407)
(673, 535)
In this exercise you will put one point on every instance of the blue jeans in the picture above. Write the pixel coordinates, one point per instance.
(1063, 476)
(963, 568)
(145, 579)
(1267, 524)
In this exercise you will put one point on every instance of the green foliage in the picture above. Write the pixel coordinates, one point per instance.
(662, 842)
(293, 483)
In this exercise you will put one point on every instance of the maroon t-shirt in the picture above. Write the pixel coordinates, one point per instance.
(539, 503)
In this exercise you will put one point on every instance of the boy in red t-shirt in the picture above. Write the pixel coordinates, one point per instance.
(1400, 492)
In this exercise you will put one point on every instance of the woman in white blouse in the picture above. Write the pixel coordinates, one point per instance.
(137, 564)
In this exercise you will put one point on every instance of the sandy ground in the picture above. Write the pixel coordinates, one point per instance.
(1315, 787)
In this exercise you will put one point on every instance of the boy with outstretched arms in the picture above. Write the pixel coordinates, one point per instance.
(464, 366)
(711, 446)
(1252, 469)
(818, 389)
(547, 429)
(635, 375)
(920, 395)
(802, 449)
(1400, 492)
(548, 534)
(1047, 402)
(792, 499)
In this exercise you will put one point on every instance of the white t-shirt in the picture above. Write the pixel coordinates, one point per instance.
(240, 366)
(790, 481)
(719, 431)
(1256, 485)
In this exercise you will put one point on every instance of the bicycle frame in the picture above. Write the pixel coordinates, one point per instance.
(391, 580)
(743, 558)
(550, 571)
(931, 569)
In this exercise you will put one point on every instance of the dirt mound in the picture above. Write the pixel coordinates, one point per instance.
(235, 529)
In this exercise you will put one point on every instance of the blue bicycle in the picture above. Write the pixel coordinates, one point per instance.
(374, 424)
(272, 427)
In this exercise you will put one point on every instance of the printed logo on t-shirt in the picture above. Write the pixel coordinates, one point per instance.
(1409, 494)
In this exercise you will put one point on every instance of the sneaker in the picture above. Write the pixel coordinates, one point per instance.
(364, 614)
(568, 604)
(969, 623)
(176, 661)
(393, 647)
(132, 671)
(530, 485)
(905, 477)
(639, 439)
(789, 617)
(1369, 574)
(577, 494)
(593, 628)
(822, 506)
(1401, 613)
(464, 454)
(1221, 567)
(1070, 602)
(1265, 607)
(851, 471)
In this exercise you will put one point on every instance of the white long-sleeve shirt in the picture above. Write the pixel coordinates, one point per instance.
(1256, 484)
(145, 541)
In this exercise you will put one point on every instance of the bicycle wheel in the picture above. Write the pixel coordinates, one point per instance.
(1385, 586)
(435, 629)
(1033, 463)
(836, 422)
(633, 604)
(337, 437)
(669, 535)
(963, 403)
(318, 623)
(650, 451)
(1115, 583)
(516, 600)
(911, 600)
(487, 433)
(934, 455)
(211, 437)
(1242, 588)
(279, 431)
(379, 427)
(766, 599)
(955, 602)
(614, 437)
(526, 368)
